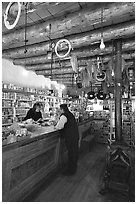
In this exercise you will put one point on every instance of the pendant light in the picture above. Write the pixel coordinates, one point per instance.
(102, 45)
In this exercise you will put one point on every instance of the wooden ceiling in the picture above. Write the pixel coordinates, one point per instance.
(78, 22)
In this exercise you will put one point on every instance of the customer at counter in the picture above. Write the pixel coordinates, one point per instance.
(69, 130)
(34, 113)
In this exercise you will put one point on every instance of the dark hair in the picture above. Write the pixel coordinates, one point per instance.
(35, 105)
(64, 107)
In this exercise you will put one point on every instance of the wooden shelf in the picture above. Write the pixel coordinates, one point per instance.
(7, 99)
(6, 124)
(21, 92)
(7, 115)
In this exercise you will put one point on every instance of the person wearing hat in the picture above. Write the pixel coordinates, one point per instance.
(34, 113)
(69, 130)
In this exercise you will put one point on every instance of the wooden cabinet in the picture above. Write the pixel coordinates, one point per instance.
(25, 164)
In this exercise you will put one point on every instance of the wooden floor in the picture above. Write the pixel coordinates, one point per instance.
(82, 187)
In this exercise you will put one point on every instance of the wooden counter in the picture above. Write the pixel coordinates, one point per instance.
(28, 162)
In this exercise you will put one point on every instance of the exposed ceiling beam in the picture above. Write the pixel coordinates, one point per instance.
(84, 52)
(123, 30)
(55, 64)
(68, 70)
(67, 64)
(83, 18)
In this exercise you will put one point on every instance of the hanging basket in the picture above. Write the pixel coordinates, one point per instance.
(6, 22)
(57, 45)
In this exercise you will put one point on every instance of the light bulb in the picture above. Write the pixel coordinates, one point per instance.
(102, 45)
(112, 73)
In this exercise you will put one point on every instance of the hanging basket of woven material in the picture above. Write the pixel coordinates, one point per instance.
(6, 21)
(61, 45)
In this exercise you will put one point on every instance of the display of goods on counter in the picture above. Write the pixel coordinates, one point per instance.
(13, 133)
(19, 131)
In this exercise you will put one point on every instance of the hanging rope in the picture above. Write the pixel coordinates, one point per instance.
(102, 22)
(25, 51)
(60, 69)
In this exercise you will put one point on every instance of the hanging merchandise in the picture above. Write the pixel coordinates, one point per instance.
(61, 45)
(91, 69)
(85, 77)
(125, 81)
(91, 95)
(109, 74)
(74, 62)
(11, 15)
(104, 87)
(111, 64)
(100, 74)
(101, 95)
(79, 81)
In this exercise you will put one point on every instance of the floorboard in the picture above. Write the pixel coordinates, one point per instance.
(84, 186)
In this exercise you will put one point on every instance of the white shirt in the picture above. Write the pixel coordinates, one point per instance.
(61, 122)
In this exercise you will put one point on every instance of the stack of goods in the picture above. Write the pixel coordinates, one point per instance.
(100, 126)
(126, 132)
(7, 110)
(13, 134)
(128, 123)
(101, 114)
(100, 129)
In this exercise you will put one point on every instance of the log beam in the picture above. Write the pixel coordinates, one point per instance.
(83, 52)
(123, 30)
(68, 70)
(84, 18)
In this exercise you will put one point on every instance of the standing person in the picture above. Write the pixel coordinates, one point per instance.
(69, 129)
(34, 113)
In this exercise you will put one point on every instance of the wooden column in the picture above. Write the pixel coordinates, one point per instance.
(118, 91)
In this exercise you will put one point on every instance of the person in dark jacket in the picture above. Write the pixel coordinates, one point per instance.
(34, 113)
(69, 129)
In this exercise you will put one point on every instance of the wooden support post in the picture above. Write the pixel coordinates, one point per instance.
(118, 91)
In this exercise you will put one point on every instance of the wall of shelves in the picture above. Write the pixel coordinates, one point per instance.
(17, 101)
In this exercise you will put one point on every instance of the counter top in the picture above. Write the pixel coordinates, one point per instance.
(38, 134)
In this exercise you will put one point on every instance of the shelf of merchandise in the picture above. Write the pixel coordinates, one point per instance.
(128, 125)
(21, 97)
